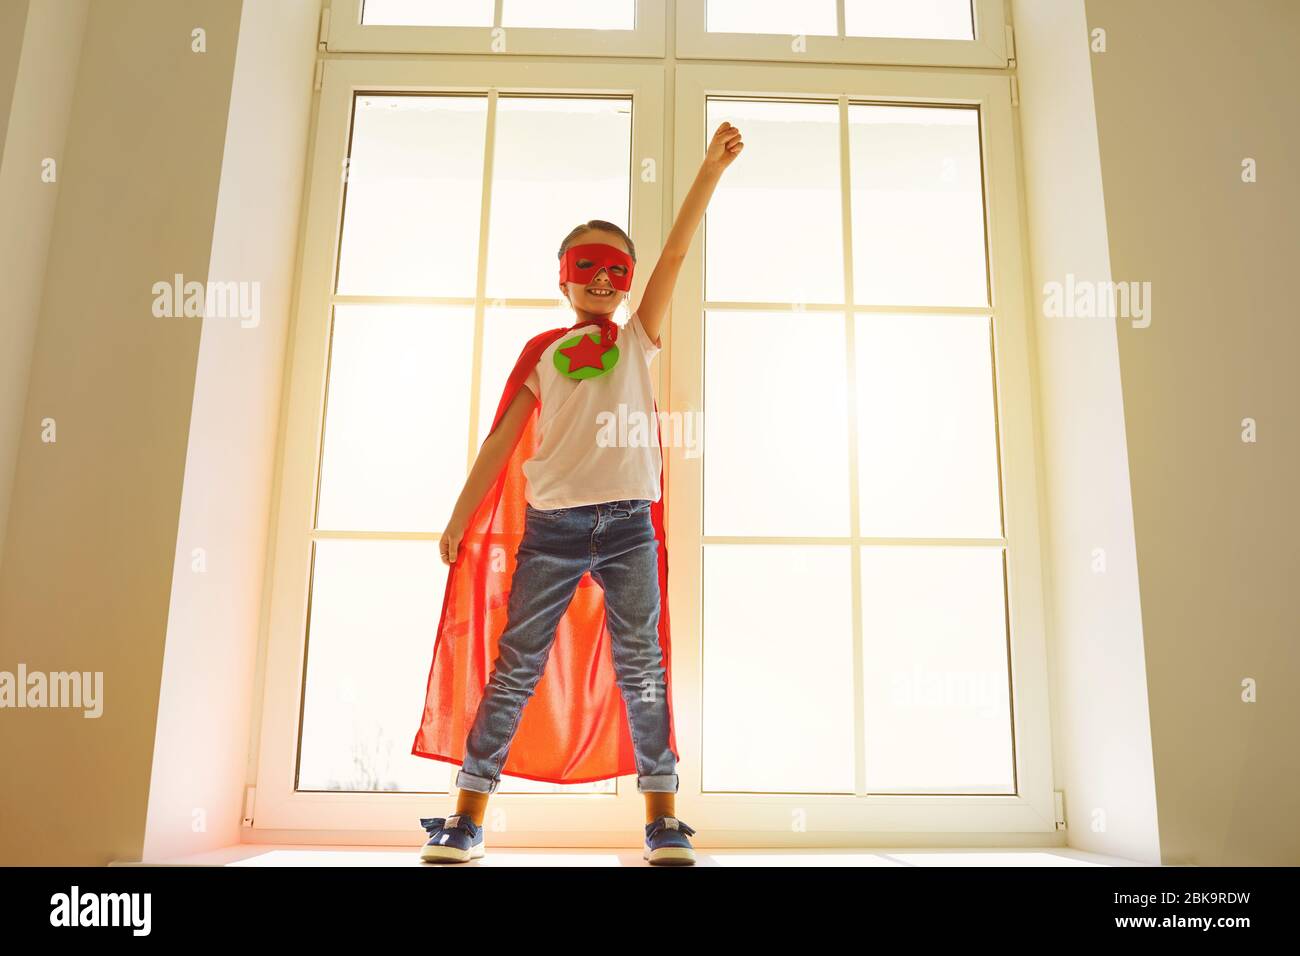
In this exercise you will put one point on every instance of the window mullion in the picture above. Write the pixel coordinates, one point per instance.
(850, 359)
(480, 282)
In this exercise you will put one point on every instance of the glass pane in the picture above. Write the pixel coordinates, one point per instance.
(770, 16)
(414, 194)
(570, 14)
(927, 433)
(934, 642)
(778, 673)
(397, 417)
(775, 424)
(557, 163)
(918, 206)
(374, 615)
(922, 19)
(427, 13)
(505, 332)
(774, 229)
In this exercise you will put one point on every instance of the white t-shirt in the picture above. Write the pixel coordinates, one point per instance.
(599, 438)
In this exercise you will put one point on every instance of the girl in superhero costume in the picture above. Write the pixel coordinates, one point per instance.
(568, 603)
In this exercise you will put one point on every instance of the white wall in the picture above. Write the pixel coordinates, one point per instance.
(1101, 724)
(208, 696)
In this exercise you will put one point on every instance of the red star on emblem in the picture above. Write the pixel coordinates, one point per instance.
(588, 353)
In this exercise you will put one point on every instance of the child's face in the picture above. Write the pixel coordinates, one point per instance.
(599, 295)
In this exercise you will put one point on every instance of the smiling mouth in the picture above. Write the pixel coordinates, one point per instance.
(601, 293)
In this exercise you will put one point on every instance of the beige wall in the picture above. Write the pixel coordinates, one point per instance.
(13, 20)
(40, 51)
(93, 519)
(1186, 90)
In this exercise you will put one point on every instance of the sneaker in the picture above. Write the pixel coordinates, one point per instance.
(453, 839)
(667, 843)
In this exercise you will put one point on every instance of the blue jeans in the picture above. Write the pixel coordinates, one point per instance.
(616, 542)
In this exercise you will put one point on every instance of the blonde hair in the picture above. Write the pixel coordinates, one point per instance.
(602, 225)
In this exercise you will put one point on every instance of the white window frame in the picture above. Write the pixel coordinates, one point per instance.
(729, 819)
(330, 816)
(1032, 808)
(347, 35)
(989, 48)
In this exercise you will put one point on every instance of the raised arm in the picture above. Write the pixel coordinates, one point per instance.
(658, 296)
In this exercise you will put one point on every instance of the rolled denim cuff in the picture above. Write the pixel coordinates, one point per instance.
(658, 783)
(471, 781)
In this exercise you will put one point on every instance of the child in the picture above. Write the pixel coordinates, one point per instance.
(591, 506)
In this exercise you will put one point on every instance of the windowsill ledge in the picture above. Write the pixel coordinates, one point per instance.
(247, 854)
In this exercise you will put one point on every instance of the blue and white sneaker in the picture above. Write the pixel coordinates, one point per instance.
(453, 839)
(667, 843)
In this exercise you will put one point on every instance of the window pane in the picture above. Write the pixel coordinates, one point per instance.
(505, 331)
(570, 14)
(397, 417)
(775, 423)
(557, 163)
(770, 16)
(935, 671)
(927, 440)
(414, 193)
(427, 13)
(774, 228)
(918, 206)
(778, 673)
(374, 614)
(922, 19)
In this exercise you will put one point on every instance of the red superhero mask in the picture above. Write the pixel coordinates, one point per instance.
(581, 263)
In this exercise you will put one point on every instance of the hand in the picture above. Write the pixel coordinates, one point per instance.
(451, 538)
(724, 148)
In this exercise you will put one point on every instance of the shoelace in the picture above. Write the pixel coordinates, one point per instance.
(671, 823)
(433, 824)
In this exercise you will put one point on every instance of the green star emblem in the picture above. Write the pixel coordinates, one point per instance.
(583, 356)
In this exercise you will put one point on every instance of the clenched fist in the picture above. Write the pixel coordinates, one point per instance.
(724, 147)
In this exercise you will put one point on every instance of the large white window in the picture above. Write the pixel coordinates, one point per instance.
(855, 590)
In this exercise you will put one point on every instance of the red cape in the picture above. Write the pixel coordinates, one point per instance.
(574, 729)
